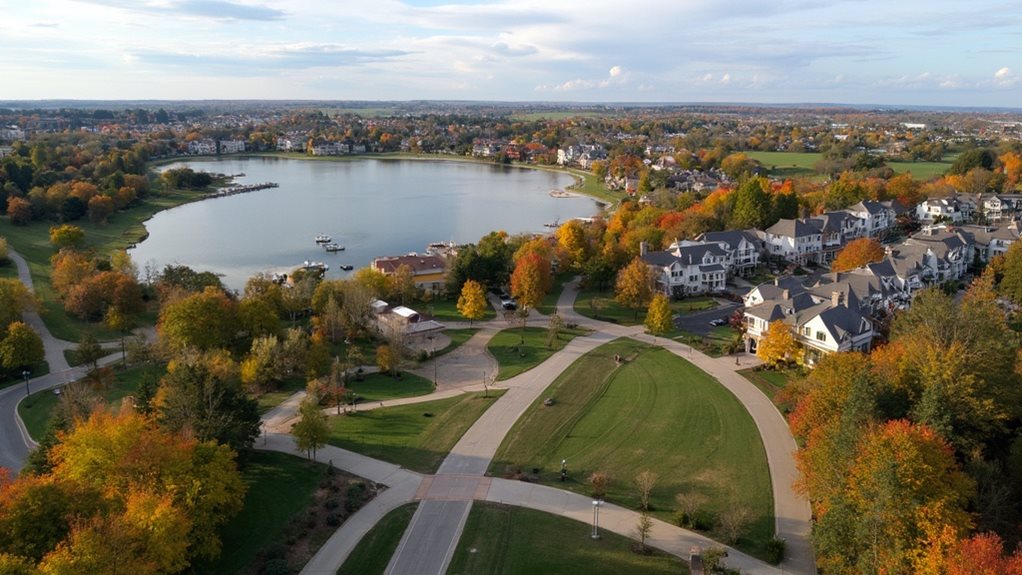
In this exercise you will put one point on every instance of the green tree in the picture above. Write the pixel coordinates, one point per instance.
(634, 287)
(658, 317)
(205, 320)
(21, 348)
(14, 299)
(751, 204)
(89, 351)
(472, 301)
(66, 236)
(312, 430)
(1011, 279)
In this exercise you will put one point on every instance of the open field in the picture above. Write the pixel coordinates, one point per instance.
(416, 436)
(602, 306)
(518, 351)
(506, 540)
(373, 552)
(795, 164)
(447, 310)
(380, 387)
(654, 412)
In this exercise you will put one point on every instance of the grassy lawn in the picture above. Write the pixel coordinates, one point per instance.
(416, 436)
(447, 310)
(379, 387)
(603, 307)
(772, 383)
(373, 552)
(280, 486)
(505, 540)
(549, 304)
(289, 387)
(514, 357)
(124, 228)
(714, 344)
(795, 164)
(39, 408)
(654, 412)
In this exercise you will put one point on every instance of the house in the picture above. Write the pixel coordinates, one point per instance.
(289, 144)
(682, 270)
(404, 322)
(742, 249)
(232, 146)
(329, 149)
(947, 254)
(205, 147)
(991, 241)
(946, 209)
(820, 325)
(797, 241)
(877, 218)
(428, 271)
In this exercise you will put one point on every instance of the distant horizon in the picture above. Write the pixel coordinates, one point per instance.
(553, 104)
(924, 52)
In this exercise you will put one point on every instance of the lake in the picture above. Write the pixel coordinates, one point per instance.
(371, 207)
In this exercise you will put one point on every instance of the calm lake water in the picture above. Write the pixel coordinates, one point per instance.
(372, 207)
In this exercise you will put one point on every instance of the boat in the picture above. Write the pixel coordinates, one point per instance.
(554, 224)
(314, 266)
(334, 247)
(322, 239)
(346, 267)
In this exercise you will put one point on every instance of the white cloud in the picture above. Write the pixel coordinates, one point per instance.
(1002, 73)
(616, 71)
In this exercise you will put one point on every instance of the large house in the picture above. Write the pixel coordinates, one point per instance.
(428, 271)
(403, 322)
(797, 241)
(742, 249)
(688, 268)
(821, 325)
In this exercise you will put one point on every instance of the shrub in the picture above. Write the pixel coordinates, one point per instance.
(775, 549)
(276, 567)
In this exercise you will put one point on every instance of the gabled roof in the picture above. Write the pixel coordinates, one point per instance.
(419, 264)
(731, 237)
(793, 228)
(662, 259)
(868, 206)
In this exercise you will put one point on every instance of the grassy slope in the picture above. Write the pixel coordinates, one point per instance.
(656, 412)
(506, 540)
(610, 310)
(793, 164)
(514, 357)
(279, 487)
(405, 435)
(372, 554)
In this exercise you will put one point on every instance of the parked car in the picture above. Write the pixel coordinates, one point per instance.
(719, 322)
(507, 302)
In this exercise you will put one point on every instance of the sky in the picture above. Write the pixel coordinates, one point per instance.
(889, 52)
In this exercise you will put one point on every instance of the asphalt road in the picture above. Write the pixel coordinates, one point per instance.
(699, 322)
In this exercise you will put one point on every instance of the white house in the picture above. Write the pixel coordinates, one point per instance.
(877, 217)
(797, 241)
(742, 249)
(947, 208)
(689, 269)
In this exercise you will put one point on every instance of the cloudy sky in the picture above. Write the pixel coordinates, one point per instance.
(909, 52)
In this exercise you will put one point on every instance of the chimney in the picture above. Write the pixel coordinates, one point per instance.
(643, 248)
(777, 281)
(836, 298)
(784, 294)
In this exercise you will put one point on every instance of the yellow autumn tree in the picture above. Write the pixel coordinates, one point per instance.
(634, 286)
(778, 345)
(472, 301)
(857, 254)
(658, 317)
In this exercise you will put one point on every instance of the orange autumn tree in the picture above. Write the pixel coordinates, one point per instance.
(531, 279)
(983, 554)
(857, 254)
(120, 487)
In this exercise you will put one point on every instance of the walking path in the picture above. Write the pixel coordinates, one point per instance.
(431, 538)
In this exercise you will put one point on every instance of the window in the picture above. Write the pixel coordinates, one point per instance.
(807, 331)
(821, 336)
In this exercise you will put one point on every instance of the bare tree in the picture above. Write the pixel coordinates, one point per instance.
(645, 481)
(687, 505)
(643, 529)
(599, 481)
(733, 521)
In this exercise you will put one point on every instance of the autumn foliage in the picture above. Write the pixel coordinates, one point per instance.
(857, 254)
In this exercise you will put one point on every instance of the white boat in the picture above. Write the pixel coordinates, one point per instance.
(334, 248)
(322, 239)
(314, 266)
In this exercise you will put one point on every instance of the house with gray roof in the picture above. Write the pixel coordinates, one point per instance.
(682, 270)
(743, 249)
(797, 241)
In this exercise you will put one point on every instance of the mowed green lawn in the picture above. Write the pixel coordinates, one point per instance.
(373, 552)
(279, 487)
(380, 387)
(654, 412)
(792, 164)
(603, 307)
(416, 436)
(505, 540)
(514, 357)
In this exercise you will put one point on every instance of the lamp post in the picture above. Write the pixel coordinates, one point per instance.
(596, 519)
(25, 374)
(432, 354)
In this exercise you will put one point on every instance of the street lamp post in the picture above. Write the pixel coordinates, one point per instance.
(25, 374)
(596, 519)
(432, 354)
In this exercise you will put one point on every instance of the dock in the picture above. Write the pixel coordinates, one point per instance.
(234, 190)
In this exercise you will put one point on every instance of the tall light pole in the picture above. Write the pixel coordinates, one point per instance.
(25, 374)
(596, 519)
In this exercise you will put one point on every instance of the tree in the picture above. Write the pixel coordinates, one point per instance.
(530, 280)
(554, 329)
(659, 317)
(89, 350)
(645, 481)
(312, 430)
(634, 287)
(1011, 279)
(983, 554)
(643, 529)
(751, 204)
(778, 345)
(733, 521)
(14, 299)
(331, 320)
(257, 317)
(599, 483)
(66, 236)
(19, 210)
(857, 254)
(402, 283)
(385, 359)
(261, 368)
(202, 393)
(472, 301)
(21, 348)
(100, 209)
(204, 320)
